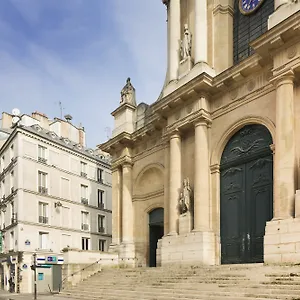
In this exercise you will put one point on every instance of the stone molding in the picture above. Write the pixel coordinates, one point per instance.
(286, 77)
(222, 9)
(148, 196)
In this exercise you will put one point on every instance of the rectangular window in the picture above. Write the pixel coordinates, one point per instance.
(43, 213)
(42, 154)
(3, 189)
(11, 152)
(102, 245)
(101, 199)
(101, 224)
(42, 182)
(12, 182)
(85, 221)
(85, 243)
(13, 214)
(43, 240)
(83, 167)
(12, 241)
(99, 175)
(84, 194)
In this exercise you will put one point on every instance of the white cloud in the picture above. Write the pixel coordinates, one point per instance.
(88, 77)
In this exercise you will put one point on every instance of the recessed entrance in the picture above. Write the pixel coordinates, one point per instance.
(156, 232)
(246, 195)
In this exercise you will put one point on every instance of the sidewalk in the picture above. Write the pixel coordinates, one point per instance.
(9, 296)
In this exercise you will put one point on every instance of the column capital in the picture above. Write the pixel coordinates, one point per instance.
(287, 77)
(272, 147)
(215, 168)
(202, 121)
(175, 134)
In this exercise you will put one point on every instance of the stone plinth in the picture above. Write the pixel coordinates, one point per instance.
(191, 248)
(282, 13)
(185, 66)
(127, 255)
(282, 242)
(185, 223)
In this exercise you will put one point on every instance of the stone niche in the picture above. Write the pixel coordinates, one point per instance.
(141, 115)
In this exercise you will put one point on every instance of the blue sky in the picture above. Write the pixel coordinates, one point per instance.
(80, 52)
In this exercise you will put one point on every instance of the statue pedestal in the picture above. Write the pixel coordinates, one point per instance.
(185, 66)
(185, 223)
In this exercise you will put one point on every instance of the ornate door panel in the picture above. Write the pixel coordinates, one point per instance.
(259, 204)
(232, 207)
(246, 194)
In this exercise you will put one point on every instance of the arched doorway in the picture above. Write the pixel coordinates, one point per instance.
(156, 232)
(246, 194)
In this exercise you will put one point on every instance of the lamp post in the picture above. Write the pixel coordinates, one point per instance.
(33, 267)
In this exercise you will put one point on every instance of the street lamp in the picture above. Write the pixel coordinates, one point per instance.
(16, 117)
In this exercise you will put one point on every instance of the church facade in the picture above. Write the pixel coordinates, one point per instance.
(208, 173)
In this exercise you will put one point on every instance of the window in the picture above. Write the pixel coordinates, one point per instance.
(100, 199)
(43, 213)
(43, 240)
(83, 167)
(85, 243)
(12, 182)
(101, 223)
(12, 241)
(102, 245)
(99, 175)
(3, 189)
(85, 220)
(42, 154)
(11, 152)
(42, 182)
(84, 194)
(13, 214)
(247, 28)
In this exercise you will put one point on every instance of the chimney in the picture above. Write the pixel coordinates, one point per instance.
(81, 135)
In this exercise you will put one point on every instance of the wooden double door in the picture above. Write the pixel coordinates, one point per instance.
(246, 197)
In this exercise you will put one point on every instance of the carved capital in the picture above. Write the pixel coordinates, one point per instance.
(215, 168)
(175, 134)
(202, 121)
(284, 78)
(272, 147)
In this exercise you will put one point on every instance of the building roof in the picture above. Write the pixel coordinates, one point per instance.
(65, 142)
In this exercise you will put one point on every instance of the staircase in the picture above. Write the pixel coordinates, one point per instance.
(235, 282)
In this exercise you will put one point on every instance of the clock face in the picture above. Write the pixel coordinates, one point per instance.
(249, 6)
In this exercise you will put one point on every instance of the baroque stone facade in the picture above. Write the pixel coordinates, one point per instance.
(244, 207)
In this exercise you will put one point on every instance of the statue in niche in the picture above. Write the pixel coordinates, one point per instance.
(128, 93)
(185, 198)
(186, 43)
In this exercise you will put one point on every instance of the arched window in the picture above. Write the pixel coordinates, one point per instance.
(247, 28)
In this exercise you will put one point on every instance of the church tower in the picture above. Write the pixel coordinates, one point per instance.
(209, 173)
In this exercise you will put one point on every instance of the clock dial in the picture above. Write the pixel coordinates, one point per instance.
(249, 6)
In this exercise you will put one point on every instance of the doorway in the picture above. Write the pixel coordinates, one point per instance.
(156, 232)
(246, 195)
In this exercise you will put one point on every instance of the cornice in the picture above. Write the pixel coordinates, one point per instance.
(121, 161)
(119, 141)
(147, 196)
(123, 107)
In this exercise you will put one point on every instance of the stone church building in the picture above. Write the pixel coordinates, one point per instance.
(209, 173)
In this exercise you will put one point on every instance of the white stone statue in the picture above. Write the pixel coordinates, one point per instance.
(185, 198)
(128, 93)
(186, 43)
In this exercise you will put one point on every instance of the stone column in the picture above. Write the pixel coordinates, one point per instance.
(174, 32)
(116, 206)
(127, 207)
(166, 188)
(175, 181)
(285, 162)
(201, 182)
(200, 35)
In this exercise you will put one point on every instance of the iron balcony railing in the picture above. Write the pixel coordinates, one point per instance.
(84, 201)
(85, 226)
(43, 190)
(42, 160)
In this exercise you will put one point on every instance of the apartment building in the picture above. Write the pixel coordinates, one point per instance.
(55, 195)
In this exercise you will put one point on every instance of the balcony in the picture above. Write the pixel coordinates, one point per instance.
(42, 160)
(84, 201)
(101, 229)
(82, 174)
(85, 226)
(100, 180)
(43, 190)
(43, 220)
